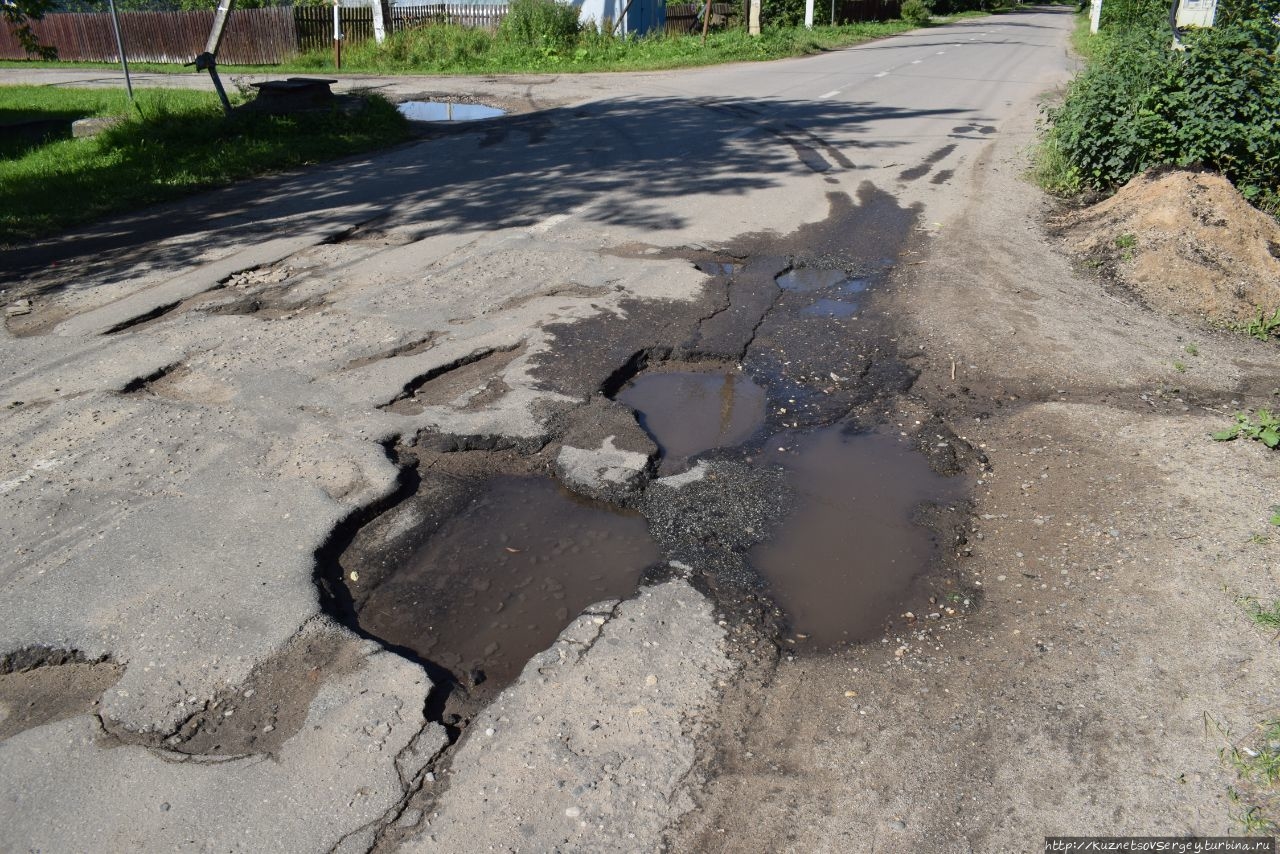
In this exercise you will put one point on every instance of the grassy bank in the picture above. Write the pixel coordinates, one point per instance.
(170, 144)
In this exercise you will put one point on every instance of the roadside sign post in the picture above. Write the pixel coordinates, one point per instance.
(808, 14)
(337, 35)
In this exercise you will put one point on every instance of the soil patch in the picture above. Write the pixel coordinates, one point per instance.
(1187, 243)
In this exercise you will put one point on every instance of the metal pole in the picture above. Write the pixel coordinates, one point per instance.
(124, 62)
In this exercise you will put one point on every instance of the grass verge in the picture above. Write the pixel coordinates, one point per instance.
(446, 49)
(170, 144)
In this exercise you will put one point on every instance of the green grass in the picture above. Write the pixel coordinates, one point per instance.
(1263, 616)
(458, 50)
(1255, 798)
(444, 49)
(170, 144)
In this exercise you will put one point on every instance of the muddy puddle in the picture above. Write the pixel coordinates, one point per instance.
(687, 412)
(500, 580)
(445, 111)
(849, 554)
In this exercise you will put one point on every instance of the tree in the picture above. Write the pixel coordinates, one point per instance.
(17, 15)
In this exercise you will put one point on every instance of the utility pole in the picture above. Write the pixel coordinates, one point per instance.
(753, 18)
(124, 63)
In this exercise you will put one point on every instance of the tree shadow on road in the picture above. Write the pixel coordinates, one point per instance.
(621, 162)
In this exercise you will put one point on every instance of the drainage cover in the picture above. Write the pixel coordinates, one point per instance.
(846, 557)
(498, 582)
(444, 111)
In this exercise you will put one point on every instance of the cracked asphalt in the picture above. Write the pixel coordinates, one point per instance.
(229, 420)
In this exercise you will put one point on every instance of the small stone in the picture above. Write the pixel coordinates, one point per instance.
(164, 807)
(898, 824)
(650, 680)
(17, 309)
(573, 812)
(268, 728)
(354, 576)
(490, 731)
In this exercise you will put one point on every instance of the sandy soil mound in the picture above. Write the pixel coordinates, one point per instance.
(1186, 243)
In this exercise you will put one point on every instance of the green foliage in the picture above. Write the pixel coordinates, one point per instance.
(1262, 615)
(916, 12)
(1140, 103)
(1263, 326)
(439, 49)
(540, 25)
(17, 15)
(173, 143)
(1266, 429)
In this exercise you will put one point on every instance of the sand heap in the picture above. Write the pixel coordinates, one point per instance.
(1186, 243)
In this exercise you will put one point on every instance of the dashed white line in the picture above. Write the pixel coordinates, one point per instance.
(548, 223)
(830, 94)
(916, 61)
(940, 53)
(883, 74)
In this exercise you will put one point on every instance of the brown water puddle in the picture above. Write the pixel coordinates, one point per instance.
(499, 581)
(846, 558)
(689, 412)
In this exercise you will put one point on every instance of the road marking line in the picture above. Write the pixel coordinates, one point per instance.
(548, 223)
(830, 94)
(940, 53)
(883, 74)
(916, 61)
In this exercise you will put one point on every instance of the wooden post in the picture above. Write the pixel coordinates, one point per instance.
(706, 20)
(337, 35)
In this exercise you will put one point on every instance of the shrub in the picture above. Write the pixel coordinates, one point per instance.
(1141, 103)
(540, 24)
(916, 12)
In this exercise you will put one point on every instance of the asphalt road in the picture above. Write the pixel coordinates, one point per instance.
(196, 415)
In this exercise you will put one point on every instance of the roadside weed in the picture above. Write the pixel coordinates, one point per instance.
(1192, 350)
(1126, 241)
(1263, 326)
(1179, 367)
(1275, 514)
(1263, 616)
(1266, 429)
(1255, 798)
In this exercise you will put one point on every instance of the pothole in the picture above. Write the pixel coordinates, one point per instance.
(502, 577)
(447, 111)
(39, 686)
(470, 382)
(848, 554)
(689, 412)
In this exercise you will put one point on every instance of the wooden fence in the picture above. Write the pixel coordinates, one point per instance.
(480, 17)
(315, 25)
(684, 17)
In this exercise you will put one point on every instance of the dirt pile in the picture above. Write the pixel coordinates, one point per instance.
(1186, 243)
